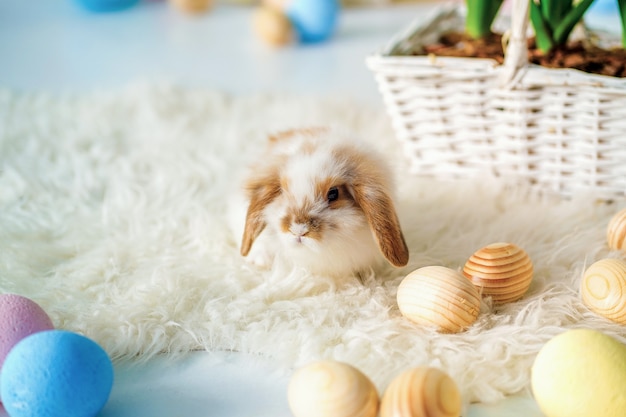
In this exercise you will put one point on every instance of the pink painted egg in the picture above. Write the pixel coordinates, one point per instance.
(19, 317)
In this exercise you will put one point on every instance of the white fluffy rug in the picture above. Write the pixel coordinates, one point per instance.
(112, 217)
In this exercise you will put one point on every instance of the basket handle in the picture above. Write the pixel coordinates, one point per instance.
(516, 50)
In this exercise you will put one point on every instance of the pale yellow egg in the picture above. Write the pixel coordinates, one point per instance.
(581, 373)
(439, 296)
(331, 389)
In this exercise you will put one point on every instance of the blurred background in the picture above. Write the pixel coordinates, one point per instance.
(69, 45)
(229, 45)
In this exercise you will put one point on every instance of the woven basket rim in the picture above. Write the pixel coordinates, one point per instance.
(539, 75)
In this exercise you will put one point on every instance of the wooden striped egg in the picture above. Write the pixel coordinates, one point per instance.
(616, 231)
(439, 296)
(603, 289)
(421, 392)
(331, 389)
(501, 271)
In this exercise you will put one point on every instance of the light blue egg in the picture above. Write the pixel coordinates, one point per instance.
(99, 6)
(313, 20)
(56, 373)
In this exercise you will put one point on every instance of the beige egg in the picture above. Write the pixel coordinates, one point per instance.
(616, 232)
(331, 389)
(277, 4)
(439, 296)
(192, 6)
(272, 26)
(501, 271)
(421, 392)
(603, 289)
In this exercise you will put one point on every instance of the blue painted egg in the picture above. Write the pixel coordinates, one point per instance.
(56, 373)
(107, 5)
(313, 20)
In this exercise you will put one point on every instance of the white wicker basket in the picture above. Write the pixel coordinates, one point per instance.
(562, 129)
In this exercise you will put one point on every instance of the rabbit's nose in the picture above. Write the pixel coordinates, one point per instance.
(299, 229)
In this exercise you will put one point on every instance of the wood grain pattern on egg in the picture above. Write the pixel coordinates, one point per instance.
(331, 389)
(421, 392)
(616, 231)
(501, 271)
(439, 296)
(603, 289)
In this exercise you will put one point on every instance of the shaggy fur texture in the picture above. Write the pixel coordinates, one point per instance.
(112, 217)
(291, 219)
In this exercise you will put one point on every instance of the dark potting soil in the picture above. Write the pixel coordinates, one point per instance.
(576, 55)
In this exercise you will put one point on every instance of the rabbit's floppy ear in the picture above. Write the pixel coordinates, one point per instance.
(380, 213)
(370, 183)
(261, 192)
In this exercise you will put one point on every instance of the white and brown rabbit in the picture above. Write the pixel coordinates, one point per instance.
(321, 200)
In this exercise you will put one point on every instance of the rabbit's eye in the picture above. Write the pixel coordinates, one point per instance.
(333, 194)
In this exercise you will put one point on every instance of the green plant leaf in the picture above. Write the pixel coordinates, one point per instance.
(622, 12)
(480, 16)
(554, 11)
(567, 24)
(543, 32)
